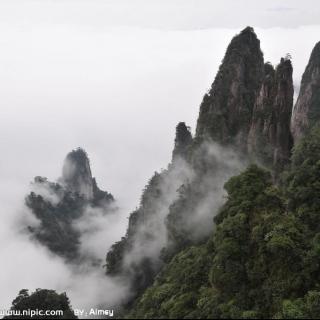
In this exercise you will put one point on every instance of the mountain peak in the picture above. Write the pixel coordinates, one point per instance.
(246, 38)
(248, 29)
(182, 140)
(57, 205)
(249, 34)
(79, 155)
(76, 173)
(226, 109)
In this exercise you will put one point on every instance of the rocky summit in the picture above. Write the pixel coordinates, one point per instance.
(226, 110)
(57, 205)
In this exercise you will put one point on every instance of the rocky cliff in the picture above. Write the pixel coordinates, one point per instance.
(245, 117)
(226, 110)
(77, 177)
(306, 112)
(182, 142)
(137, 256)
(247, 109)
(250, 103)
(269, 140)
(57, 205)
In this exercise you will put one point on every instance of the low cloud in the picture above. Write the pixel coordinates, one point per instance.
(28, 264)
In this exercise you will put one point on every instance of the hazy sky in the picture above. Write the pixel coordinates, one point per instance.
(115, 77)
(164, 14)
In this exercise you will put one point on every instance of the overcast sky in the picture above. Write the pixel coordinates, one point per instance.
(115, 77)
(164, 14)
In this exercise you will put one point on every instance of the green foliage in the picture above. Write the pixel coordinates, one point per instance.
(44, 300)
(177, 220)
(176, 290)
(263, 258)
(212, 280)
(262, 261)
(141, 272)
(248, 191)
(307, 307)
(303, 181)
(56, 230)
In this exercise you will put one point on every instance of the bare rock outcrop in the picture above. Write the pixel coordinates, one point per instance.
(306, 112)
(270, 140)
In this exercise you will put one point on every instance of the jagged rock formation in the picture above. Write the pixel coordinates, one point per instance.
(182, 142)
(245, 115)
(262, 259)
(76, 174)
(176, 210)
(132, 257)
(137, 256)
(58, 205)
(232, 109)
(269, 140)
(249, 104)
(226, 110)
(306, 112)
(77, 177)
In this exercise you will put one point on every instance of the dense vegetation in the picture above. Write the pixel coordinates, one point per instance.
(263, 259)
(139, 271)
(41, 300)
(55, 230)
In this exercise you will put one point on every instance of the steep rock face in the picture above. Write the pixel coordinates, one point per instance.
(58, 205)
(262, 260)
(137, 256)
(182, 142)
(269, 140)
(226, 111)
(76, 174)
(176, 210)
(247, 109)
(132, 258)
(306, 112)
(77, 178)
